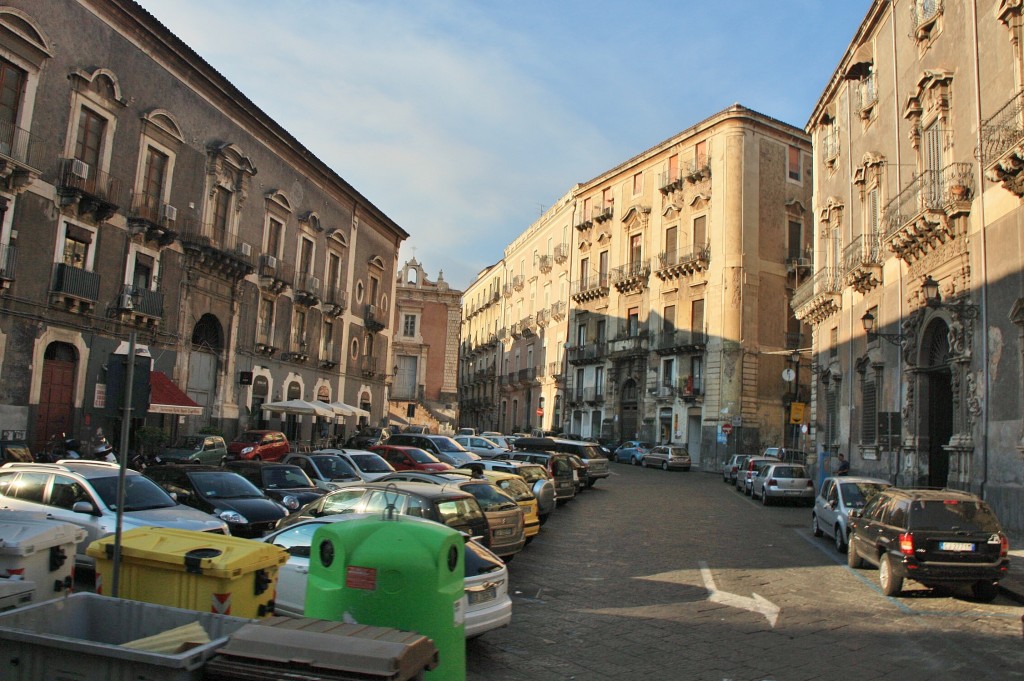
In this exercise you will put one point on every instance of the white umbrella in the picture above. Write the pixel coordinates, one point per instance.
(299, 407)
(349, 410)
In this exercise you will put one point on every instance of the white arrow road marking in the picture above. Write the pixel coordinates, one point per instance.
(677, 611)
(756, 603)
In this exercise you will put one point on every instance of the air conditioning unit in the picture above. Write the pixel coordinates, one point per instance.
(270, 261)
(169, 213)
(125, 302)
(245, 249)
(314, 283)
(80, 169)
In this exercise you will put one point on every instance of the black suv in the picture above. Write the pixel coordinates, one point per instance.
(939, 538)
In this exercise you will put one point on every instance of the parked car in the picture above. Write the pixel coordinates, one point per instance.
(367, 437)
(940, 538)
(478, 444)
(327, 471)
(443, 447)
(506, 442)
(745, 476)
(535, 475)
(221, 493)
(466, 431)
(590, 453)
(404, 458)
(668, 457)
(517, 488)
(204, 449)
(786, 455)
(778, 481)
(259, 445)
(84, 493)
(367, 465)
(732, 466)
(836, 498)
(558, 466)
(488, 605)
(444, 504)
(504, 517)
(631, 452)
(285, 483)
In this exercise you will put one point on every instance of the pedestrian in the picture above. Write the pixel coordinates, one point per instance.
(844, 466)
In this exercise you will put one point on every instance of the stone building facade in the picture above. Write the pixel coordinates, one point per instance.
(143, 193)
(916, 300)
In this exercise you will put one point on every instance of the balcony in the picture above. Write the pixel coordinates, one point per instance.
(669, 181)
(366, 366)
(593, 394)
(830, 145)
(690, 388)
(506, 290)
(529, 326)
(558, 310)
(631, 277)
(152, 218)
(819, 297)
(921, 217)
(685, 262)
(518, 282)
(1003, 145)
(925, 13)
(590, 288)
(373, 318)
(95, 193)
(585, 223)
(625, 347)
(216, 251)
(328, 356)
(306, 290)
(18, 165)
(798, 268)
(545, 263)
(8, 265)
(679, 342)
(561, 253)
(335, 300)
(141, 307)
(698, 170)
(74, 288)
(862, 262)
(604, 213)
(555, 370)
(275, 274)
(866, 95)
(591, 353)
(543, 317)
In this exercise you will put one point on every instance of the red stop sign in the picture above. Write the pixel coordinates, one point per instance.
(540, 411)
(726, 428)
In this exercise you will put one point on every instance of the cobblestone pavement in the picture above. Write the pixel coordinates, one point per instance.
(652, 575)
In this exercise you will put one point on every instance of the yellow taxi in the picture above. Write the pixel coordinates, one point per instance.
(518, 489)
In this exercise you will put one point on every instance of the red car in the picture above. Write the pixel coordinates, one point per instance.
(259, 445)
(409, 458)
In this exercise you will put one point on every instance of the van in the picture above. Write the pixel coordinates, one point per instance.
(466, 431)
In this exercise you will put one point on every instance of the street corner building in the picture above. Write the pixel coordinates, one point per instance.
(142, 193)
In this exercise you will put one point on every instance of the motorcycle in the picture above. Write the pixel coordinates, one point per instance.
(60, 447)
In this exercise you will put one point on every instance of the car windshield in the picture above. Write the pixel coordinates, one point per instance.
(789, 472)
(591, 452)
(856, 494)
(223, 485)
(446, 444)
(370, 463)
(250, 437)
(332, 467)
(285, 477)
(420, 456)
(515, 488)
(953, 515)
(490, 497)
(532, 473)
(192, 443)
(140, 493)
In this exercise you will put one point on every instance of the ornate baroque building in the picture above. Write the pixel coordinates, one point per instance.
(141, 191)
(915, 302)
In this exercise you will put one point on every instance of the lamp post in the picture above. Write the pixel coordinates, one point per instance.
(871, 329)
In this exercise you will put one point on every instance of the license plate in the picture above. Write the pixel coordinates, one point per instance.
(956, 546)
(504, 532)
(488, 594)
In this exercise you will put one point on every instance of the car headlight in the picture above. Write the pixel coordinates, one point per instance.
(290, 502)
(331, 486)
(246, 450)
(230, 516)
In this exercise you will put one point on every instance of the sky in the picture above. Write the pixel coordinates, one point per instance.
(464, 120)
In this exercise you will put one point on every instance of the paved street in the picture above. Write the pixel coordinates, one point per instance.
(653, 575)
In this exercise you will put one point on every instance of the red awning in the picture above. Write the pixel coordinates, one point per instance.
(167, 398)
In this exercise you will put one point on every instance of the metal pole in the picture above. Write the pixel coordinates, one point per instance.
(123, 461)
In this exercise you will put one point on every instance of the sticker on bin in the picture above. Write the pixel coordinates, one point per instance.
(361, 578)
(13, 573)
(220, 603)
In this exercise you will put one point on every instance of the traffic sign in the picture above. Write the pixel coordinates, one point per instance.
(540, 411)
(727, 428)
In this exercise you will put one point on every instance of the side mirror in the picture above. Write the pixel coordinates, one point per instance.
(83, 507)
(299, 551)
(856, 513)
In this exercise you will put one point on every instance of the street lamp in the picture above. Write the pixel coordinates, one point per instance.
(870, 328)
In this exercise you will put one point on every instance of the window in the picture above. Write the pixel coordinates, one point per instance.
(833, 342)
(602, 331)
(143, 273)
(12, 87)
(633, 322)
(638, 184)
(578, 392)
(697, 371)
(700, 154)
(298, 330)
(794, 163)
(274, 231)
(374, 289)
(700, 232)
(671, 243)
(673, 168)
(635, 249)
(581, 336)
(89, 143)
(667, 372)
(77, 244)
(795, 239)
(154, 177)
(333, 270)
(668, 320)
(869, 410)
(409, 326)
(697, 320)
(603, 268)
(606, 198)
(327, 341)
(265, 322)
(221, 207)
(598, 381)
(584, 267)
(873, 211)
(305, 256)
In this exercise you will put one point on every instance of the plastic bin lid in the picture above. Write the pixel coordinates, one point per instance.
(377, 652)
(205, 553)
(29, 533)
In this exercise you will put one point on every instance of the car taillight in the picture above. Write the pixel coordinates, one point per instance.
(1004, 545)
(907, 544)
(810, 484)
(771, 482)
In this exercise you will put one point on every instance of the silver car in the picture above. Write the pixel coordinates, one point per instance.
(836, 498)
(778, 481)
(84, 493)
(535, 475)
(367, 465)
(483, 446)
(668, 457)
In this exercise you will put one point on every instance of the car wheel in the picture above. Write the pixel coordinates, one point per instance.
(634, 461)
(853, 560)
(815, 530)
(985, 591)
(840, 539)
(664, 465)
(891, 583)
(764, 499)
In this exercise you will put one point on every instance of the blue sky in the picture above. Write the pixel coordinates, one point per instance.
(463, 121)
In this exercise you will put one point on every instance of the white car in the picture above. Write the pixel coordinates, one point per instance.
(368, 465)
(483, 446)
(837, 497)
(488, 605)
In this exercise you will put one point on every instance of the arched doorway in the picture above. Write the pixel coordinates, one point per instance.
(291, 421)
(57, 393)
(260, 392)
(937, 400)
(628, 409)
(204, 362)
